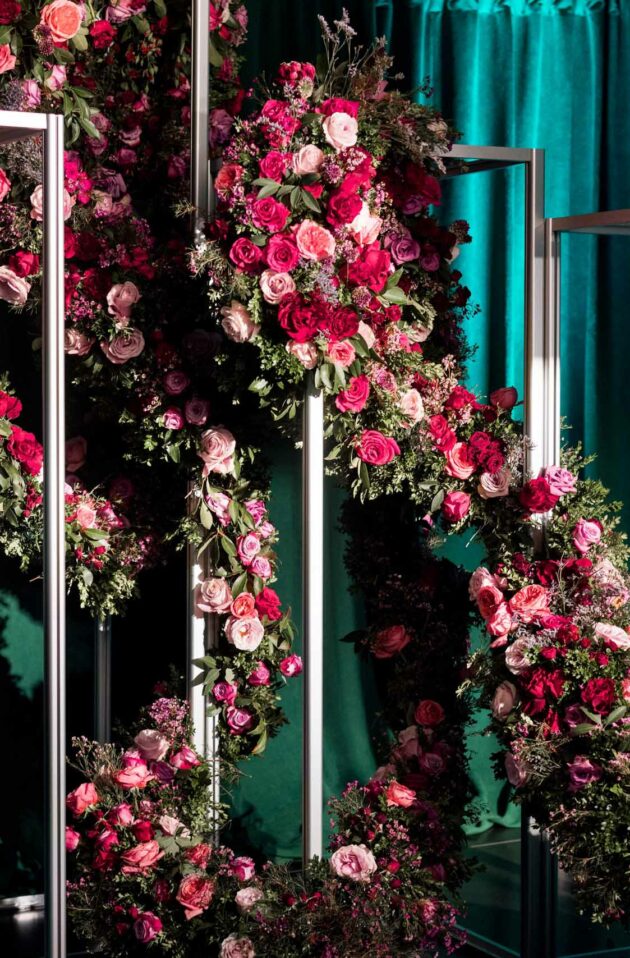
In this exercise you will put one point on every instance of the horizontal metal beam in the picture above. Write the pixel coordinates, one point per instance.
(493, 154)
(603, 223)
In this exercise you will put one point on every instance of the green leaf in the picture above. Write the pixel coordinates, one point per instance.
(309, 201)
(261, 745)
(364, 475)
(88, 127)
(437, 500)
(394, 278)
(270, 190)
(394, 295)
(205, 516)
(228, 546)
(616, 714)
(240, 584)
(173, 452)
(79, 41)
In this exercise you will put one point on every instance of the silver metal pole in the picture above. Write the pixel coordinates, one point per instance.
(103, 679)
(313, 619)
(54, 538)
(199, 109)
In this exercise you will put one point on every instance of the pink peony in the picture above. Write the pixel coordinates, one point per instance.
(314, 242)
(340, 130)
(353, 861)
(217, 450)
(244, 634)
(500, 622)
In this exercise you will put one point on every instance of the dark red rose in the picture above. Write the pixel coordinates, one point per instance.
(10, 10)
(536, 496)
(599, 695)
(371, 269)
(10, 406)
(69, 243)
(24, 447)
(274, 165)
(341, 322)
(96, 283)
(460, 398)
(338, 105)
(343, 206)
(300, 319)
(245, 255)
(102, 33)
(143, 831)
(422, 185)
(23, 263)
(444, 438)
(547, 571)
(88, 246)
(268, 603)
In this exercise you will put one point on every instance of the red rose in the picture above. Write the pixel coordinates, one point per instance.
(23, 263)
(341, 323)
(376, 449)
(536, 496)
(268, 603)
(429, 713)
(371, 269)
(143, 831)
(390, 641)
(343, 206)
(338, 105)
(599, 695)
(300, 319)
(282, 253)
(444, 438)
(270, 215)
(273, 166)
(245, 255)
(9, 11)
(421, 184)
(354, 398)
(69, 243)
(10, 406)
(102, 33)
(455, 506)
(459, 398)
(24, 447)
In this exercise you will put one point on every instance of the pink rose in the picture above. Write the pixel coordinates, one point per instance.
(340, 130)
(213, 595)
(219, 503)
(343, 353)
(458, 462)
(37, 203)
(86, 515)
(367, 334)
(429, 713)
(237, 323)
(7, 60)
(195, 894)
(72, 839)
(291, 666)
(480, 578)
(248, 547)
(13, 288)
(390, 641)
(397, 794)
(63, 19)
(353, 861)
(244, 634)
(365, 227)
(282, 253)
(516, 656)
(146, 927)
(582, 772)
(455, 506)
(5, 185)
(76, 451)
(121, 814)
(261, 567)
(243, 868)
(489, 598)
(185, 759)
(376, 449)
(239, 720)
(141, 858)
(269, 215)
(136, 776)
(275, 286)
(411, 405)
(305, 353)
(500, 622)
(31, 94)
(587, 533)
(82, 798)
(244, 606)
(235, 947)
(245, 255)
(354, 398)
(505, 698)
(561, 481)
(625, 689)
(225, 692)
(121, 298)
(530, 602)
(247, 898)
(504, 398)
(57, 78)
(307, 160)
(172, 418)
(517, 772)
(217, 450)
(125, 346)
(197, 411)
(76, 343)
(151, 744)
(314, 242)
(260, 676)
(493, 485)
(409, 743)
(615, 637)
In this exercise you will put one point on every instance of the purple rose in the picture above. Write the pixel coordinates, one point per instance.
(260, 676)
(239, 720)
(582, 772)
(175, 382)
(404, 248)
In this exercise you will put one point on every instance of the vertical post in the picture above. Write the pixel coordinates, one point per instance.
(199, 115)
(542, 419)
(313, 620)
(54, 539)
(103, 679)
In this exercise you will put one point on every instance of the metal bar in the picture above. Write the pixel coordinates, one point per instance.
(481, 166)
(199, 109)
(103, 679)
(495, 154)
(313, 620)
(617, 221)
(54, 538)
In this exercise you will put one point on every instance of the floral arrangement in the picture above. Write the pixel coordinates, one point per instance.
(145, 873)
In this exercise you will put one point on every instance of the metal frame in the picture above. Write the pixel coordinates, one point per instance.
(542, 426)
(15, 126)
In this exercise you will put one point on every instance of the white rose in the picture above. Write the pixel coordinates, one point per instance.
(307, 160)
(340, 130)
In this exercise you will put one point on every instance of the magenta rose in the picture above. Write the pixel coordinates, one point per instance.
(239, 720)
(404, 248)
(242, 868)
(225, 692)
(353, 861)
(82, 798)
(260, 676)
(173, 418)
(269, 215)
(146, 927)
(274, 165)
(455, 506)
(282, 254)
(354, 398)
(582, 771)
(376, 449)
(72, 839)
(268, 603)
(140, 859)
(561, 481)
(245, 255)
(291, 666)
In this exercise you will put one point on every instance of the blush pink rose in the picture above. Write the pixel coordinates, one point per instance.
(516, 656)
(305, 353)
(455, 506)
(244, 634)
(140, 859)
(411, 405)
(367, 334)
(83, 797)
(122, 348)
(390, 641)
(275, 286)
(76, 343)
(195, 894)
(493, 485)
(37, 204)
(365, 227)
(135, 776)
(307, 160)
(504, 700)
(13, 288)
(480, 578)
(31, 94)
(63, 19)
(247, 898)
(7, 60)
(86, 515)
(121, 298)
(340, 130)
(248, 547)
(342, 353)
(587, 533)
(530, 602)
(353, 861)
(615, 637)
(5, 185)
(185, 759)
(151, 745)
(397, 794)
(409, 743)
(237, 323)
(235, 947)
(500, 622)
(458, 462)
(214, 595)
(76, 452)
(217, 451)
(314, 242)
